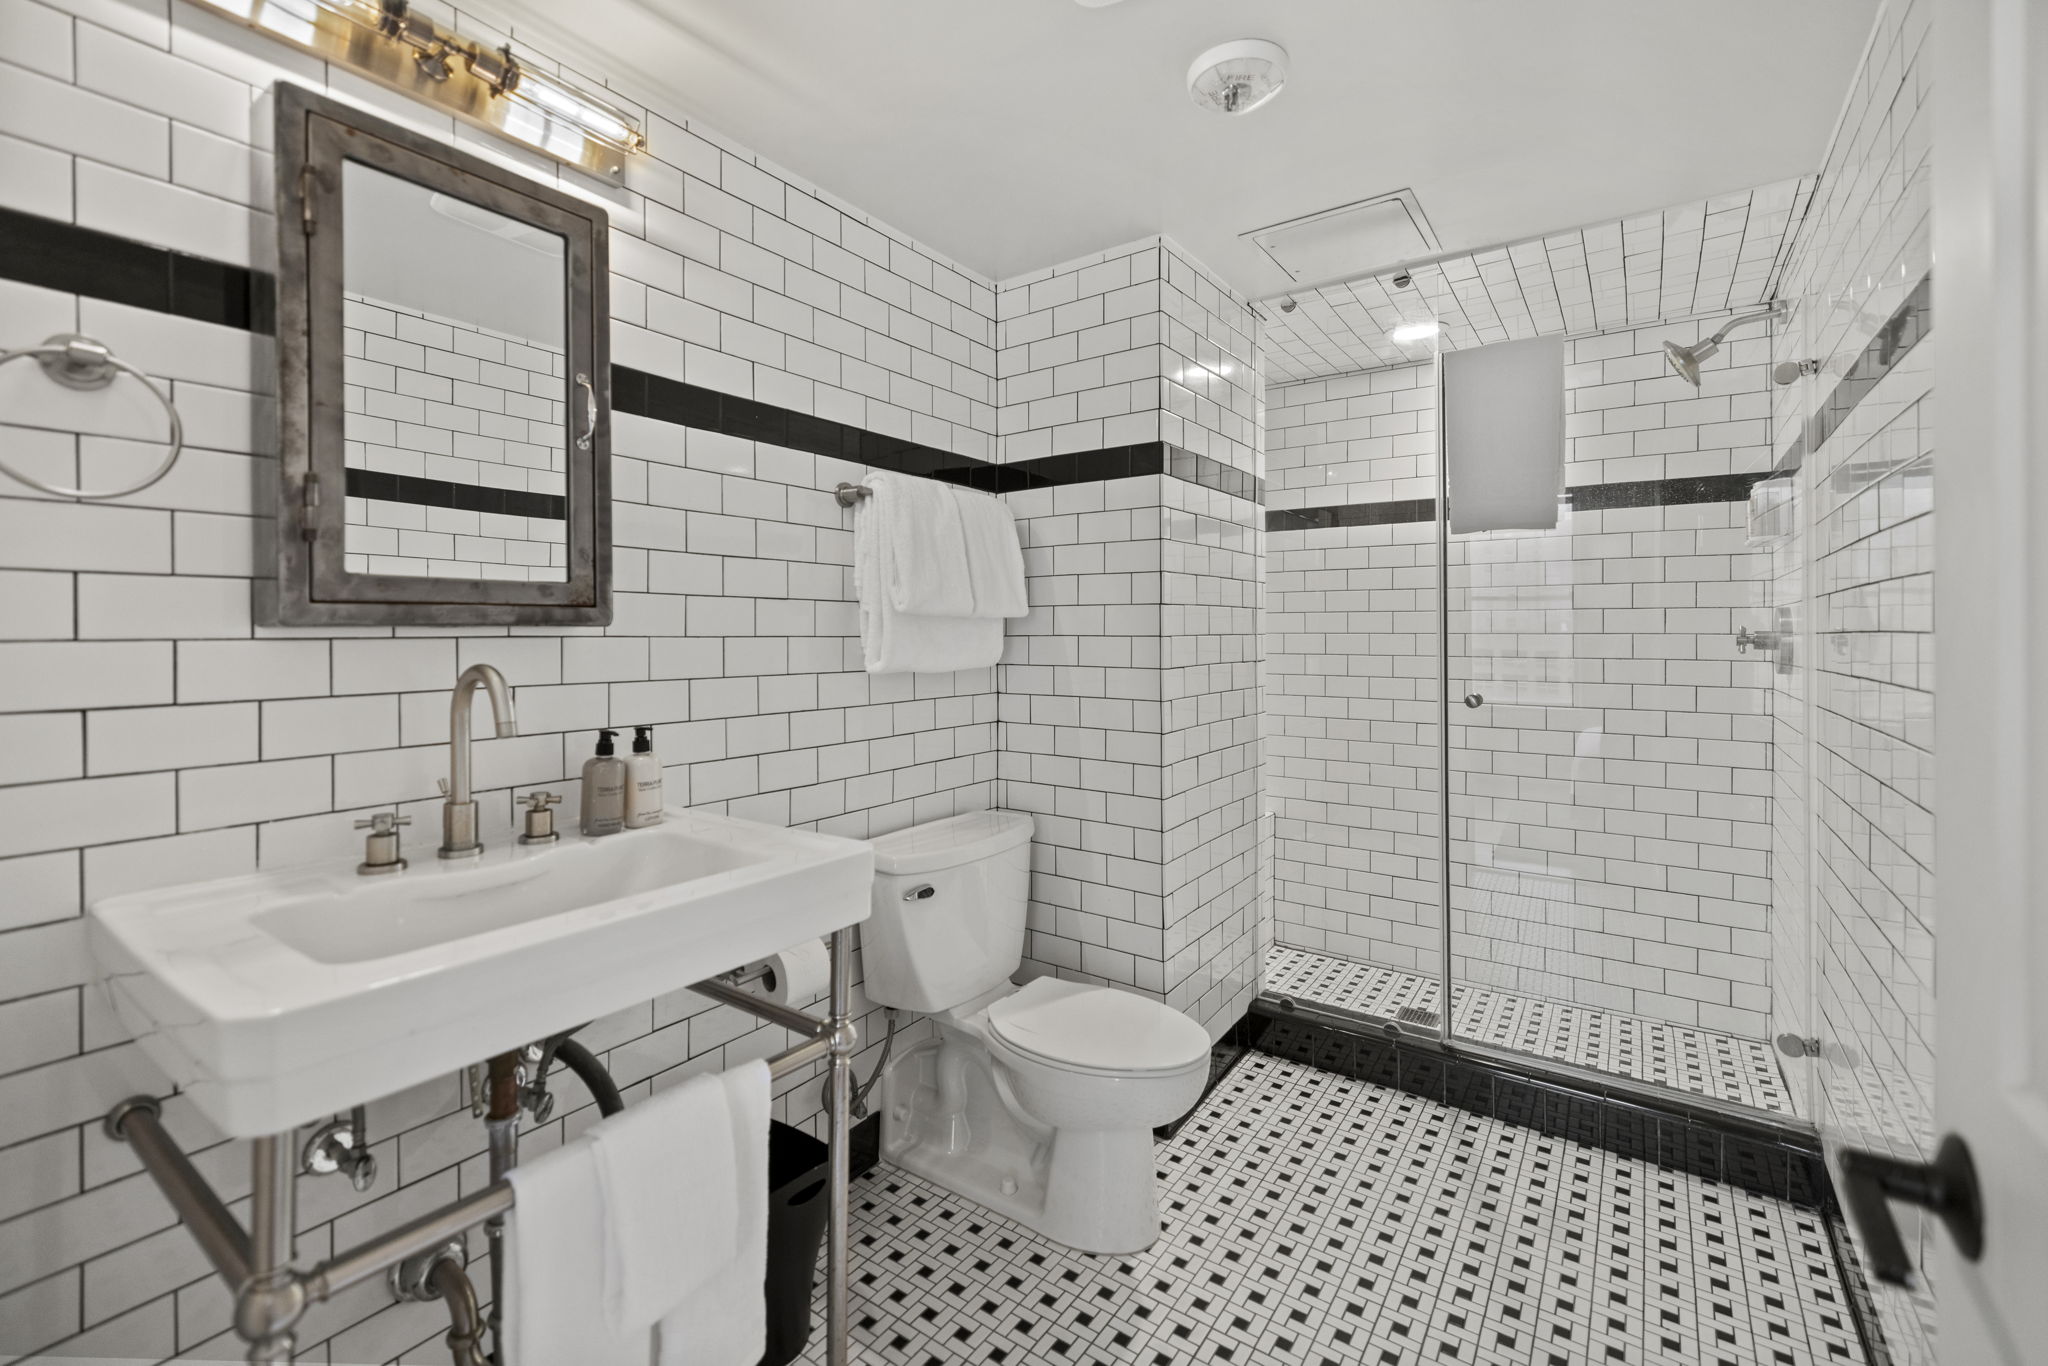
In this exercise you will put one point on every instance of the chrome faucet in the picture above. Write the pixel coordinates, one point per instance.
(458, 813)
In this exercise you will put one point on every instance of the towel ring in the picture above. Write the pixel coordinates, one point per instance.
(78, 362)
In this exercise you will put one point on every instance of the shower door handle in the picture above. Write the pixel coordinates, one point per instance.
(1947, 1186)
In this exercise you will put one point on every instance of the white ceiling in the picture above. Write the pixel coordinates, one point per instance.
(1016, 134)
(1020, 134)
(1707, 256)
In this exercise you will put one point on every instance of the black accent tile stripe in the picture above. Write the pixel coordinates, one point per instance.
(643, 394)
(1909, 323)
(1640, 493)
(440, 493)
(1650, 493)
(63, 256)
(1351, 514)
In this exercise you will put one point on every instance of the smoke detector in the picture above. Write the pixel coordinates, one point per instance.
(1238, 77)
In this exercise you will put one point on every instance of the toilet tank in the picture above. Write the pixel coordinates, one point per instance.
(948, 917)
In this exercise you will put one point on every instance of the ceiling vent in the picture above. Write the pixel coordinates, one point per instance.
(1350, 240)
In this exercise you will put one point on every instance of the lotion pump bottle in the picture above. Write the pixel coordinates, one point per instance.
(643, 781)
(604, 789)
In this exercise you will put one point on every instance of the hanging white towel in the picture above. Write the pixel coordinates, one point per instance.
(923, 548)
(995, 557)
(555, 1248)
(893, 641)
(667, 1168)
(724, 1321)
(685, 1184)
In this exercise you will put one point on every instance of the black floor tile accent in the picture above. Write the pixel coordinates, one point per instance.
(1680, 1135)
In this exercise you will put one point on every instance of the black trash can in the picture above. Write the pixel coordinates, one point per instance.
(799, 1175)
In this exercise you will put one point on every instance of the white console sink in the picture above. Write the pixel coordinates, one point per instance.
(278, 998)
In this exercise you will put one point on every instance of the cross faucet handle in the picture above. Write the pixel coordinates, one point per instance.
(541, 801)
(380, 851)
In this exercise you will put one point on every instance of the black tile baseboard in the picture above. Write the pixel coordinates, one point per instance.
(1676, 1134)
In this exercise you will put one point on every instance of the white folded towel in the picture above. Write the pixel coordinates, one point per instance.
(555, 1250)
(894, 641)
(995, 557)
(646, 1240)
(689, 1224)
(667, 1168)
(923, 548)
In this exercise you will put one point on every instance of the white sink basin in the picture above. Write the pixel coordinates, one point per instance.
(278, 998)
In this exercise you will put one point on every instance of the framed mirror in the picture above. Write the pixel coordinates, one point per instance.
(444, 387)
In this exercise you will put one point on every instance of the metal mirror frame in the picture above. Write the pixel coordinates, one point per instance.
(315, 135)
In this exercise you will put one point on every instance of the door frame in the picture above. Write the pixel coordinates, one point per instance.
(1991, 612)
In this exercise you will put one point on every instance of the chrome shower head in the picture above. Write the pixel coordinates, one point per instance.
(1686, 359)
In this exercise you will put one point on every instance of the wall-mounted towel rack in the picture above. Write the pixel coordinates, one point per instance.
(849, 494)
(271, 1295)
(81, 363)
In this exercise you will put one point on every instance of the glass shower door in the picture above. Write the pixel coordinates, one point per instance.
(1609, 748)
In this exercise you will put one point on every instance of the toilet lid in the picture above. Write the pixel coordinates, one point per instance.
(1096, 1027)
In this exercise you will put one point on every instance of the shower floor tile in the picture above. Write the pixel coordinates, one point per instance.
(1309, 1218)
(1720, 1066)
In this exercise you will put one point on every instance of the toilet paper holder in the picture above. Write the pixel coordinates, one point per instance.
(748, 975)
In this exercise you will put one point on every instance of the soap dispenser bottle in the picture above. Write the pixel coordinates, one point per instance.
(604, 789)
(643, 781)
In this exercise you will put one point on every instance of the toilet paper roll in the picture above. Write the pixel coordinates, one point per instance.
(797, 976)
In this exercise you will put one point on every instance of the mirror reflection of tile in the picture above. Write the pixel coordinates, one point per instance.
(454, 446)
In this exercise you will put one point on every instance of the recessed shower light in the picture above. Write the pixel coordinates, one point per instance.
(1413, 332)
(1236, 78)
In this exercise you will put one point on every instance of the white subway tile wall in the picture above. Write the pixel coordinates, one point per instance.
(153, 734)
(1851, 561)
(1610, 793)
(1129, 700)
(1136, 344)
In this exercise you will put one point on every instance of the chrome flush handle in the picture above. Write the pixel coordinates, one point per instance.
(589, 412)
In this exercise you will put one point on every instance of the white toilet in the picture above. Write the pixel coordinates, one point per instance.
(1037, 1101)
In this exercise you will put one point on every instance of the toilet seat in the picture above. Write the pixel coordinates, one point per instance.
(1082, 1028)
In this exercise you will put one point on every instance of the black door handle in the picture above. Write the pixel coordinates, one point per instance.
(1947, 1186)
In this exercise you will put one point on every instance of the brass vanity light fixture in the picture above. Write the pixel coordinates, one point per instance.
(392, 44)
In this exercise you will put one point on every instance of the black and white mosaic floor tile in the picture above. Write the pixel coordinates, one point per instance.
(1705, 1063)
(1310, 1218)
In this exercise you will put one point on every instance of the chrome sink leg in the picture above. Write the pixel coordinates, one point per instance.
(269, 1303)
(501, 1136)
(838, 1246)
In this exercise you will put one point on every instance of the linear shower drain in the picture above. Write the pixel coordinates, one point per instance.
(1416, 1015)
